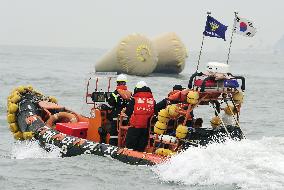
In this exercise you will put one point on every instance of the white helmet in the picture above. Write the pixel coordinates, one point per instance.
(121, 78)
(141, 84)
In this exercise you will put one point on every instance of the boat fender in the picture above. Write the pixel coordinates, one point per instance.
(28, 135)
(13, 108)
(230, 110)
(13, 127)
(163, 116)
(11, 118)
(164, 152)
(192, 97)
(181, 131)
(215, 122)
(172, 110)
(18, 135)
(52, 99)
(238, 97)
(167, 139)
(160, 128)
(21, 89)
(16, 97)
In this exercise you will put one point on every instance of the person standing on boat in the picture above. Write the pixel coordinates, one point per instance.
(117, 101)
(140, 109)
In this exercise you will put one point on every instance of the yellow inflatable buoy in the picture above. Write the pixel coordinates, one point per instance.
(29, 88)
(164, 152)
(38, 93)
(160, 128)
(13, 127)
(238, 97)
(11, 118)
(163, 116)
(172, 110)
(21, 89)
(15, 97)
(28, 135)
(215, 121)
(18, 135)
(192, 97)
(181, 131)
(12, 108)
(230, 110)
(52, 99)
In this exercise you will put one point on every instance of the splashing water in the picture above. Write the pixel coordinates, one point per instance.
(248, 164)
(31, 149)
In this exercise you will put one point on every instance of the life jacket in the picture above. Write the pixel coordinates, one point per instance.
(173, 92)
(143, 109)
(123, 92)
(179, 96)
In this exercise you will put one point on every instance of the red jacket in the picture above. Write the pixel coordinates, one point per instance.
(143, 109)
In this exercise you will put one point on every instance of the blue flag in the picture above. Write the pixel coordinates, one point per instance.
(214, 28)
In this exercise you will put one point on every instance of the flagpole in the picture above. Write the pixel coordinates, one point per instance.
(228, 57)
(203, 37)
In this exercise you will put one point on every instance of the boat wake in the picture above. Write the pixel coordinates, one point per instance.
(248, 164)
(32, 149)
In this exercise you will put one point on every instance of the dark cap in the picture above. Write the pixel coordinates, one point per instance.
(177, 87)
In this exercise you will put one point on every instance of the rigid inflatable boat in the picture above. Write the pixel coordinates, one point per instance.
(32, 115)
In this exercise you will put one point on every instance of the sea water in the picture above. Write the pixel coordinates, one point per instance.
(254, 163)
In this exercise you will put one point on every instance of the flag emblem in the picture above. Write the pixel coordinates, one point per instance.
(214, 28)
(244, 27)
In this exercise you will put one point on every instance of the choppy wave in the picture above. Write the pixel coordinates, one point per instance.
(31, 149)
(249, 164)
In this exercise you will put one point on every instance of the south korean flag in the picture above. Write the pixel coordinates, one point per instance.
(244, 27)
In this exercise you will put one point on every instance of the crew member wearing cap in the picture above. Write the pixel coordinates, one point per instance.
(163, 103)
(117, 101)
(140, 109)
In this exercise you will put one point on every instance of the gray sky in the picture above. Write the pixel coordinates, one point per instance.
(93, 23)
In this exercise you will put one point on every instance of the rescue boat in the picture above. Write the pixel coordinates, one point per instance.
(32, 115)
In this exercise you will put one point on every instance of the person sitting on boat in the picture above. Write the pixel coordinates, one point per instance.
(166, 101)
(198, 123)
(140, 109)
(117, 101)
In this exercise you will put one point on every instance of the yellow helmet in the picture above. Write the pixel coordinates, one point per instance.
(192, 97)
(238, 97)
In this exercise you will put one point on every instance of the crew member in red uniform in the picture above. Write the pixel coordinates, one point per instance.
(140, 109)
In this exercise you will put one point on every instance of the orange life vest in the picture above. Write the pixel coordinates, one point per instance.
(123, 92)
(179, 95)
